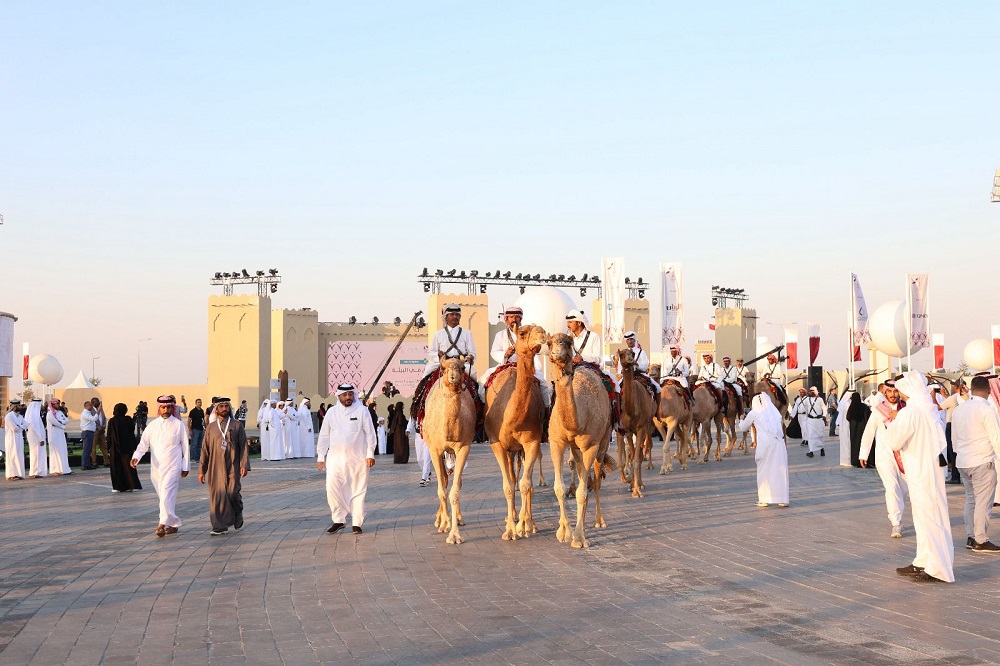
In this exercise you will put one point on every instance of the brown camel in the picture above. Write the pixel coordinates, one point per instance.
(704, 412)
(638, 409)
(449, 425)
(768, 387)
(581, 423)
(676, 416)
(730, 417)
(515, 420)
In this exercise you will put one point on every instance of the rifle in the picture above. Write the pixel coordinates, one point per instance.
(766, 354)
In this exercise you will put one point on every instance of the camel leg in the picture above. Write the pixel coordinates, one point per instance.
(455, 495)
(585, 462)
(598, 473)
(647, 449)
(730, 439)
(720, 430)
(623, 462)
(541, 468)
(665, 434)
(525, 525)
(683, 434)
(443, 522)
(637, 447)
(506, 471)
(557, 451)
(704, 430)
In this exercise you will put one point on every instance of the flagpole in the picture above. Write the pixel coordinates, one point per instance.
(909, 324)
(851, 332)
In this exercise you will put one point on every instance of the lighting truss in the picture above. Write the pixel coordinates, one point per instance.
(265, 281)
(477, 282)
(722, 295)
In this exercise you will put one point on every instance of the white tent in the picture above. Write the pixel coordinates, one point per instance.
(81, 381)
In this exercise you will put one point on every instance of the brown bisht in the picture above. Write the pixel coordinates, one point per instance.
(224, 453)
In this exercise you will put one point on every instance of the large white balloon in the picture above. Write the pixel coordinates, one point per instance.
(978, 354)
(45, 369)
(887, 326)
(546, 307)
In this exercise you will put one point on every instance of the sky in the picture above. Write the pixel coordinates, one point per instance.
(774, 147)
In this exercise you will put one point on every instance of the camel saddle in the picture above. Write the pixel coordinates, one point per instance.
(731, 395)
(423, 389)
(719, 396)
(648, 384)
(609, 386)
(503, 367)
(680, 390)
(780, 397)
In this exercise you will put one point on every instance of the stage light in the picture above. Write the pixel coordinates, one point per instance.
(518, 276)
(353, 320)
(628, 281)
(397, 321)
(522, 289)
(595, 278)
(538, 276)
(245, 274)
(583, 291)
(425, 273)
(274, 288)
(451, 273)
(584, 278)
(218, 276)
(482, 289)
(260, 273)
(439, 272)
(640, 280)
(225, 275)
(475, 273)
(715, 301)
(507, 275)
(552, 277)
(462, 275)
(273, 271)
(374, 320)
(572, 278)
(427, 287)
(421, 322)
(642, 293)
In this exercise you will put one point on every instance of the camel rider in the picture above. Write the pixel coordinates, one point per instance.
(676, 367)
(771, 370)
(710, 371)
(503, 352)
(730, 377)
(742, 372)
(451, 341)
(641, 360)
(586, 343)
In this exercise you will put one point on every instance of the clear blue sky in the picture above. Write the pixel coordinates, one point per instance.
(769, 146)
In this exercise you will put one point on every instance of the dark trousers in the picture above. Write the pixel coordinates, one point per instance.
(88, 448)
(951, 452)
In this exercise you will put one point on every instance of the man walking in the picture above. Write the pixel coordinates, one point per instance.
(39, 464)
(100, 434)
(224, 461)
(166, 440)
(88, 426)
(976, 439)
(196, 426)
(346, 450)
(14, 427)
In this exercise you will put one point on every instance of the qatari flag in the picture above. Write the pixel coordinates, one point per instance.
(813, 343)
(996, 344)
(939, 350)
(791, 348)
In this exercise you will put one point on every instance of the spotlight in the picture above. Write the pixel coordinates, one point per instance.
(572, 278)
(518, 275)
(482, 289)
(218, 276)
(552, 277)
(642, 293)
(425, 273)
(374, 320)
(451, 273)
(273, 271)
(439, 272)
(421, 322)
(562, 277)
(427, 287)
(595, 278)
(538, 276)
(245, 274)
(225, 275)
(353, 320)
(715, 301)
(475, 273)
(507, 275)
(640, 280)
(584, 278)
(583, 291)
(274, 288)
(397, 321)
(628, 281)
(462, 275)
(260, 273)
(522, 288)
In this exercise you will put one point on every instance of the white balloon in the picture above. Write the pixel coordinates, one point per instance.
(887, 326)
(546, 307)
(45, 369)
(978, 354)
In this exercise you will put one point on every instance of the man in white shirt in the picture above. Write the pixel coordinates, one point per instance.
(345, 451)
(451, 341)
(743, 372)
(641, 362)
(36, 440)
(796, 412)
(503, 352)
(88, 428)
(959, 394)
(586, 343)
(14, 427)
(730, 377)
(813, 409)
(676, 367)
(976, 439)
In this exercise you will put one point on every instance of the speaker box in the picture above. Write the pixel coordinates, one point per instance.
(814, 377)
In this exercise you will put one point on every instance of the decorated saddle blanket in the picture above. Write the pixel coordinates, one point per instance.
(716, 393)
(500, 369)
(682, 391)
(649, 384)
(419, 405)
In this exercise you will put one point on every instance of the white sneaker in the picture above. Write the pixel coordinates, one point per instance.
(897, 532)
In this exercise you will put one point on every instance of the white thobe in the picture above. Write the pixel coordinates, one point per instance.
(423, 453)
(166, 439)
(813, 426)
(710, 372)
(290, 432)
(380, 438)
(36, 440)
(264, 428)
(58, 457)
(451, 342)
(799, 414)
(845, 428)
(678, 368)
(588, 346)
(729, 376)
(307, 442)
(346, 441)
(771, 457)
(919, 438)
(277, 451)
(773, 370)
(501, 341)
(743, 372)
(893, 480)
(14, 427)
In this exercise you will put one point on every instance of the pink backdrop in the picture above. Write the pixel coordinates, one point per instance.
(358, 363)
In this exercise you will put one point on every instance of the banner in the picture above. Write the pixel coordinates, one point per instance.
(25, 363)
(859, 318)
(6, 346)
(813, 343)
(791, 348)
(358, 362)
(613, 295)
(996, 344)
(672, 302)
(939, 351)
(919, 317)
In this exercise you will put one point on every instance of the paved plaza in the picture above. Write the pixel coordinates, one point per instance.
(693, 572)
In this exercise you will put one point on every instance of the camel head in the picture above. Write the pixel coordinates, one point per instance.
(530, 339)
(561, 351)
(626, 357)
(453, 372)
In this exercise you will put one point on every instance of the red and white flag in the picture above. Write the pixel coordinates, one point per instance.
(792, 348)
(919, 312)
(813, 343)
(25, 377)
(939, 350)
(996, 344)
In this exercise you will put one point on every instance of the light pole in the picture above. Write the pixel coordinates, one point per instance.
(138, 361)
(93, 366)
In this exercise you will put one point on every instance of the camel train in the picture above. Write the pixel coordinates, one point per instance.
(580, 422)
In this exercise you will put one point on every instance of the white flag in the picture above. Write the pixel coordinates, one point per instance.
(672, 295)
(613, 293)
(919, 318)
(859, 319)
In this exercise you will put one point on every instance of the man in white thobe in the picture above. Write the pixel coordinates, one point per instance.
(290, 429)
(381, 436)
(166, 439)
(771, 455)
(976, 440)
(641, 362)
(917, 434)
(276, 415)
(264, 429)
(893, 480)
(14, 427)
(502, 351)
(307, 441)
(710, 371)
(587, 345)
(771, 369)
(743, 373)
(796, 412)
(730, 377)
(346, 450)
(676, 367)
(451, 341)
(813, 409)
(39, 466)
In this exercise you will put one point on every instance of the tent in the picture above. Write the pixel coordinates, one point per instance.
(81, 381)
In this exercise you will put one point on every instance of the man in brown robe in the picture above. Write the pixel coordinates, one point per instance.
(225, 459)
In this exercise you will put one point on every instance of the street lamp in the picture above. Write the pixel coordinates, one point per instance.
(138, 361)
(93, 365)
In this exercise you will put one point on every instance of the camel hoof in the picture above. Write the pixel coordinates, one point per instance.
(665, 470)
(509, 536)
(599, 524)
(542, 484)
(580, 544)
(461, 522)
(684, 466)
(562, 534)
(455, 538)
(702, 462)
(637, 493)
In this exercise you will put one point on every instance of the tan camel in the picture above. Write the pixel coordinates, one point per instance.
(580, 423)
(515, 421)
(449, 425)
(730, 417)
(676, 416)
(767, 386)
(704, 412)
(638, 409)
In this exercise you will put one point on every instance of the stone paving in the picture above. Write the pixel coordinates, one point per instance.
(693, 572)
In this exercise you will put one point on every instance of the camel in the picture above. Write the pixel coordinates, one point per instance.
(515, 421)
(449, 425)
(730, 417)
(638, 409)
(676, 416)
(581, 423)
(704, 412)
(766, 386)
